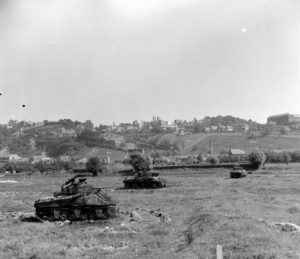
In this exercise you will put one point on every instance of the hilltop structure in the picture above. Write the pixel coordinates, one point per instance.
(286, 119)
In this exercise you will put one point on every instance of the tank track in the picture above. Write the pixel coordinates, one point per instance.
(78, 213)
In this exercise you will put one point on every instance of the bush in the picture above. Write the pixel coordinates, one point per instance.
(9, 167)
(278, 157)
(200, 157)
(156, 155)
(295, 156)
(93, 165)
(257, 157)
(41, 166)
(231, 159)
(23, 167)
(67, 165)
(139, 163)
(191, 160)
(213, 160)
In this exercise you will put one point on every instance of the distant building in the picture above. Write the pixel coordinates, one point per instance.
(14, 158)
(236, 152)
(132, 149)
(42, 158)
(286, 119)
(65, 158)
(81, 163)
(4, 159)
(68, 132)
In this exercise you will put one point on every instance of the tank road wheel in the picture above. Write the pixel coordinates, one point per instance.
(64, 215)
(92, 215)
(56, 214)
(155, 185)
(49, 215)
(111, 211)
(83, 216)
(100, 213)
(39, 213)
(77, 213)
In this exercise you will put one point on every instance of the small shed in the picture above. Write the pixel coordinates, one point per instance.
(14, 158)
(236, 152)
(82, 161)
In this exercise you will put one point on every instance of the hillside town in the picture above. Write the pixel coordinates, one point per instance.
(23, 141)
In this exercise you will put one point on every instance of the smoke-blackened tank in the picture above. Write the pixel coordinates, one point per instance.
(77, 200)
(144, 180)
(237, 172)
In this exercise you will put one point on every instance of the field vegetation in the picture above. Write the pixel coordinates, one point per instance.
(200, 142)
(205, 209)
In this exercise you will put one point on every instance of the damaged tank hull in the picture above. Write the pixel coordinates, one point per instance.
(238, 172)
(70, 208)
(143, 182)
(75, 204)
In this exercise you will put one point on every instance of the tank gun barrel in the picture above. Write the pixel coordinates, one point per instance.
(73, 178)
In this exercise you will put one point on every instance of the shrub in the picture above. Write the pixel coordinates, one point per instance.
(295, 156)
(18, 167)
(93, 165)
(213, 160)
(139, 163)
(278, 157)
(155, 155)
(231, 159)
(9, 167)
(200, 157)
(67, 165)
(41, 166)
(257, 157)
(23, 167)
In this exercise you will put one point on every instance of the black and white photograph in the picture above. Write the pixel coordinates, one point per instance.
(150, 129)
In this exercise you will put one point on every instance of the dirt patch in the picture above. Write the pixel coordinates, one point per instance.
(8, 181)
(293, 210)
(142, 214)
(282, 226)
(196, 225)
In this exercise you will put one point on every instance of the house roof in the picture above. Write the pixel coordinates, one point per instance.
(14, 156)
(235, 151)
(130, 146)
(83, 160)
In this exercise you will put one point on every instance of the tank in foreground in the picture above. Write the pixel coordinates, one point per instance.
(238, 172)
(77, 200)
(143, 180)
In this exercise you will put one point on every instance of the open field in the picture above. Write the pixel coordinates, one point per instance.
(200, 142)
(206, 208)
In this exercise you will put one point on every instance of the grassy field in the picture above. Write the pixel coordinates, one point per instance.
(99, 152)
(200, 142)
(206, 208)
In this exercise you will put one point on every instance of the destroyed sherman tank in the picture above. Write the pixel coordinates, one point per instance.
(144, 180)
(238, 172)
(77, 200)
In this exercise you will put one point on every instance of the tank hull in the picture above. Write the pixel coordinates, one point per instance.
(144, 183)
(238, 174)
(81, 206)
(76, 213)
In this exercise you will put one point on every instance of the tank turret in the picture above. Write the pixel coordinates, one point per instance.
(238, 172)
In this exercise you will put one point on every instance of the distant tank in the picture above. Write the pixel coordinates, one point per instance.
(143, 180)
(77, 200)
(238, 172)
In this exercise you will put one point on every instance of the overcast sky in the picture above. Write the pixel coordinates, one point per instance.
(120, 60)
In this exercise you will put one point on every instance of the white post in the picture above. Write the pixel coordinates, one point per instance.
(219, 252)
